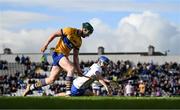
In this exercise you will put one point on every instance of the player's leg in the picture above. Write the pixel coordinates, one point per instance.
(61, 94)
(53, 76)
(74, 92)
(69, 67)
(43, 82)
(94, 91)
(97, 92)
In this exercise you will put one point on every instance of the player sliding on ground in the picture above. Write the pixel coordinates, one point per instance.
(82, 83)
(70, 38)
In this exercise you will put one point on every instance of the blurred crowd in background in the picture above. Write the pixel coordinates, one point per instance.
(141, 79)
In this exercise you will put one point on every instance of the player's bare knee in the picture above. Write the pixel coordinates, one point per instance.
(50, 80)
(71, 69)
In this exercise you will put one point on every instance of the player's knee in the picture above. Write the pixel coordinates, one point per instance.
(50, 80)
(70, 69)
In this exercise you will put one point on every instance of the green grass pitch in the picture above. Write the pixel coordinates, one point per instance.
(89, 102)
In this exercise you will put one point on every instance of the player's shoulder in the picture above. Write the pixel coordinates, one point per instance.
(96, 67)
(69, 30)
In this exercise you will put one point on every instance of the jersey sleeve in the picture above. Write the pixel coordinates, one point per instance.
(97, 73)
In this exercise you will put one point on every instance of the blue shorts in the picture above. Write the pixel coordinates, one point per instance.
(76, 92)
(56, 57)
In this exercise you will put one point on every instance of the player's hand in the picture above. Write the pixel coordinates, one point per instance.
(43, 49)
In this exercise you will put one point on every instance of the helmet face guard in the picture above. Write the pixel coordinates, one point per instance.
(88, 27)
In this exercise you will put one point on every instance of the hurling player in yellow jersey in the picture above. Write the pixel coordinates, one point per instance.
(69, 38)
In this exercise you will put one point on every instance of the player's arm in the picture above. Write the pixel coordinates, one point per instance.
(103, 82)
(76, 60)
(51, 37)
(106, 80)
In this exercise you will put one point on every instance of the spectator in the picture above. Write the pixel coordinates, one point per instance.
(23, 59)
(159, 80)
(17, 59)
(96, 87)
(1, 65)
(129, 89)
(141, 88)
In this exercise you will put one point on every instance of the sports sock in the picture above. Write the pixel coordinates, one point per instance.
(69, 80)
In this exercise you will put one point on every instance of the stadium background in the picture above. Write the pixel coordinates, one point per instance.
(17, 80)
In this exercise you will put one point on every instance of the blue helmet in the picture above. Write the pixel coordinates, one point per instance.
(104, 60)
